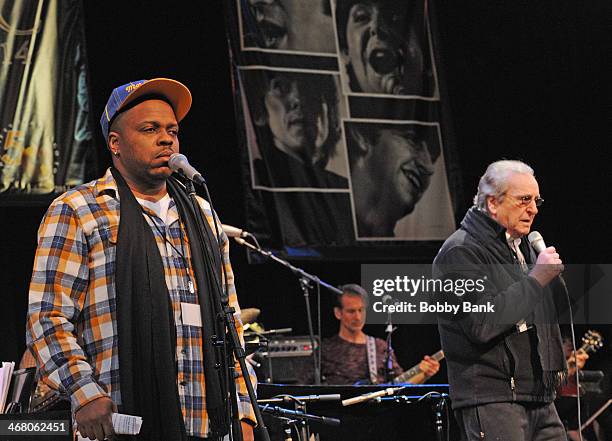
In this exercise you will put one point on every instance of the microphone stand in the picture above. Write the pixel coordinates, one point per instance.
(231, 345)
(439, 422)
(389, 352)
(439, 406)
(306, 281)
(287, 424)
(300, 414)
(302, 399)
(275, 410)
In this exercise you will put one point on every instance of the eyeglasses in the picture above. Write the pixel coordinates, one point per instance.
(525, 201)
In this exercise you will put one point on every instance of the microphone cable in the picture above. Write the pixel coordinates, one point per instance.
(577, 373)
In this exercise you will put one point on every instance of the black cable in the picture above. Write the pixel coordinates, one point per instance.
(216, 223)
(305, 285)
(569, 305)
(317, 348)
(447, 422)
(291, 397)
(297, 431)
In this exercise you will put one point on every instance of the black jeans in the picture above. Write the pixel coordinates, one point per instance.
(510, 422)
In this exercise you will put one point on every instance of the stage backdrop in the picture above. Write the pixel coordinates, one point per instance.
(45, 143)
(343, 125)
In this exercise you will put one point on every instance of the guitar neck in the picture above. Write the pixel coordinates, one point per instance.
(416, 370)
(592, 341)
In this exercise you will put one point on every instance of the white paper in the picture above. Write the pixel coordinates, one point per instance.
(126, 424)
(7, 374)
(123, 425)
(1, 389)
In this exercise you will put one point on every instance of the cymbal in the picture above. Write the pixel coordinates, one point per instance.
(249, 315)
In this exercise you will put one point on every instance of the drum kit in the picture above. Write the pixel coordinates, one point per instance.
(257, 340)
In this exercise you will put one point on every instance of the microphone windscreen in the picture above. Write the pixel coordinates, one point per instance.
(232, 231)
(537, 241)
(177, 161)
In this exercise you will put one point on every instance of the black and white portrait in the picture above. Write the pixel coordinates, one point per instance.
(398, 181)
(288, 25)
(295, 117)
(384, 47)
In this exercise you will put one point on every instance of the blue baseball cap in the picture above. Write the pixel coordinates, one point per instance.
(175, 92)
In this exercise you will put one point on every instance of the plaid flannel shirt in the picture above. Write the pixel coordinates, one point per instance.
(72, 326)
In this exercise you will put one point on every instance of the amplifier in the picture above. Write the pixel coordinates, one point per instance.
(297, 346)
(288, 360)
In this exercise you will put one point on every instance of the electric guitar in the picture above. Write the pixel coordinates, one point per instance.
(591, 342)
(414, 374)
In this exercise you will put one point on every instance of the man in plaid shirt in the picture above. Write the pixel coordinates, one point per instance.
(75, 326)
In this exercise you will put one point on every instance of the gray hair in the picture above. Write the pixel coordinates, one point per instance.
(352, 289)
(494, 182)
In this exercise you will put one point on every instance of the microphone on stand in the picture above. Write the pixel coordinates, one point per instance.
(178, 163)
(234, 231)
(303, 398)
(389, 350)
(370, 396)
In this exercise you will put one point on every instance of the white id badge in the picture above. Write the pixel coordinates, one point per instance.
(191, 314)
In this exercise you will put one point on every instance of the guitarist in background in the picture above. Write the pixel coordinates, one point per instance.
(566, 396)
(574, 360)
(345, 357)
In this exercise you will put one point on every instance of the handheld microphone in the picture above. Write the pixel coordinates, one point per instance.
(537, 241)
(178, 163)
(234, 231)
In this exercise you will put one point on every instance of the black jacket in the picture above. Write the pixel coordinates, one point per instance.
(488, 359)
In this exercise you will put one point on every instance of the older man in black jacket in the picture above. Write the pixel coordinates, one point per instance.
(504, 367)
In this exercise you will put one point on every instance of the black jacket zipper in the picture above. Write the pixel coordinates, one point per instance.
(512, 368)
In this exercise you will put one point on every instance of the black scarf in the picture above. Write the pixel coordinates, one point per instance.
(145, 323)
(545, 317)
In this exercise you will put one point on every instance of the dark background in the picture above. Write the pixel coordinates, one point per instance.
(525, 80)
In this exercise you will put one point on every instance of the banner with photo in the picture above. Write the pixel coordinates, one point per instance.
(46, 140)
(347, 149)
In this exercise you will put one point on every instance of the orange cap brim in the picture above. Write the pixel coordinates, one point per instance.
(176, 92)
